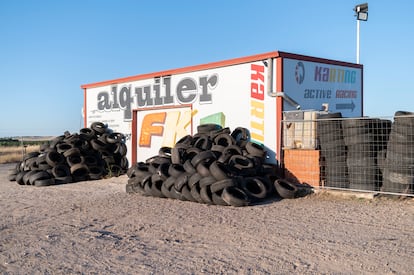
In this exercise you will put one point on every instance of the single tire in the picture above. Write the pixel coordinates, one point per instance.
(217, 199)
(181, 181)
(235, 196)
(218, 186)
(219, 170)
(79, 170)
(254, 188)
(224, 140)
(255, 149)
(44, 182)
(60, 170)
(95, 172)
(72, 152)
(39, 175)
(205, 194)
(53, 158)
(206, 181)
(185, 191)
(195, 193)
(175, 170)
(157, 182)
(19, 177)
(202, 156)
(203, 169)
(286, 189)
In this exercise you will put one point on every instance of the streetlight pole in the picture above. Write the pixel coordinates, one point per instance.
(361, 11)
(357, 45)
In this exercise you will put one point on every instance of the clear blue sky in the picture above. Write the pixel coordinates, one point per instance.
(49, 48)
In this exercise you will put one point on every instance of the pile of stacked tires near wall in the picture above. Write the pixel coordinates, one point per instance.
(333, 150)
(398, 171)
(215, 166)
(91, 154)
(375, 154)
(365, 138)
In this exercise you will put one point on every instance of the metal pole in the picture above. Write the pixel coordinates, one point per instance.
(357, 46)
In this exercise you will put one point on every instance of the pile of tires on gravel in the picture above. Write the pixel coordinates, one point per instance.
(91, 154)
(398, 170)
(215, 166)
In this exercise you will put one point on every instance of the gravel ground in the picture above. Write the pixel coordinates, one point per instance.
(95, 227)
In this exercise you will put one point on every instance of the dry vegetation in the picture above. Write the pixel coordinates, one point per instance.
(10, 154)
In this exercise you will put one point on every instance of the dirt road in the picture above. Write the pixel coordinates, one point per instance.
(95, 227)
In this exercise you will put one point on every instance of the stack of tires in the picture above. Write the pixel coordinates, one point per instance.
(91, 154)
(333, 151)
(215, 166)
(361, 139)
(398, 172)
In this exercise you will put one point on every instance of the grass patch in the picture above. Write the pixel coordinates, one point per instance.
(9, 154)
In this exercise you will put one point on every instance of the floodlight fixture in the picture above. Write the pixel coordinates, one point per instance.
(361, 11)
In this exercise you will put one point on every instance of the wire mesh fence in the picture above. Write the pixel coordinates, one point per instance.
(364, 154)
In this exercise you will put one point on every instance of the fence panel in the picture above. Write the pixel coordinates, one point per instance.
(363, 154)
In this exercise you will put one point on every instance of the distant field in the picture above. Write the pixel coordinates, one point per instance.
(11, 149)
(10, 154)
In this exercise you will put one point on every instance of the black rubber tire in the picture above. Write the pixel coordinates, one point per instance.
(224, 140)
(203, 169)
(61, 170)
(175, 170)
(95, 172)
(203, 143)
(219, 170)
(241, 135)
(79, 170)
(27, 176)
(157, 182)
(75, 159)
(185, 191)
(115, 137)
(218, 200)
(255, 149)
(134, 186)
(286, 189)
(235, 196)
(188, 139)
(86, 133)
(254, 188)
(19, 177)
(72, 152)
(206, 181)
(358, 139)
(137, 169)
(218, 186)
(188, 167)
(99, 128)
(39, 175)
(63, 147)
(195, 192)
(181, 181)
(53, 158)
(44, 182)
(165, 152)
(205, 194)
(202, 156)
(194, 179)
(177, 155)
(98, 145)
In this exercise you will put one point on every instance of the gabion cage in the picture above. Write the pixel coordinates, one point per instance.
(367, 154)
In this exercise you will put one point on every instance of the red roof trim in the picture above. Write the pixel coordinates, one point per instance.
(229, 62)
